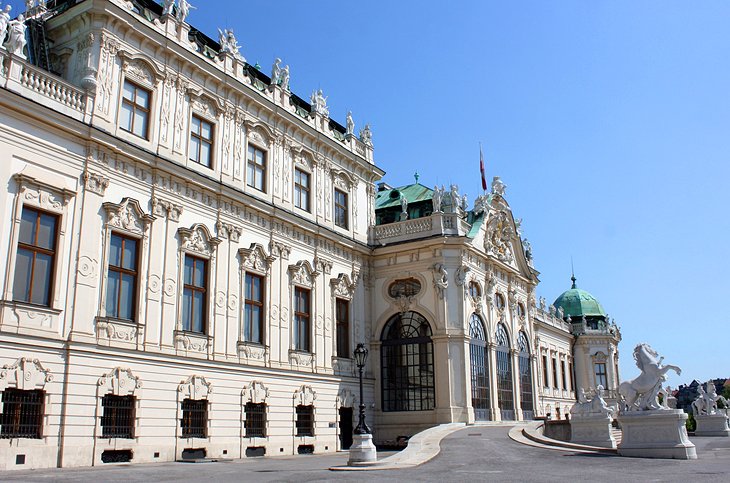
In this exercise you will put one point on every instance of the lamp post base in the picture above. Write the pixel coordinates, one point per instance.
(362, 450)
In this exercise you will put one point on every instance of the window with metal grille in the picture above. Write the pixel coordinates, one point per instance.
(301, 189)
(301, 318)
(194, 294)
(255, 423)
(117, 419)
(505, 391)
(201, 141)
(135, 112)
(253, 327)
(305, 420)
(22, 415)
(479, 369)
(35, 261)
(256, 169)
(341, 209)
(407, 364)
(342, 314)
(121, 290)
(194, 418)
(525, 368)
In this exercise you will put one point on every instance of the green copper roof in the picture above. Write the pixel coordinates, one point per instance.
(577, 303)
(412, 192)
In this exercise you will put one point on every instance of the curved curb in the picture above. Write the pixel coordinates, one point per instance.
(421, 448)
(531, 436)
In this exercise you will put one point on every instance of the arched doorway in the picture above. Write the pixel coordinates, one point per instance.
(528, 410)
(505, 394)
(407, 364)
(479, 369)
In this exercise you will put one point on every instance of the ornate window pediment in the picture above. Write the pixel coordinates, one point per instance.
(599, 357)
(342, 179)
(204, 104)
(343, 287)
(127, 216)
(25, 374)
(141, 68)
(194, 387)
(255, 258)
(119, 382)
(259, 133)
(255, 392)
(303, 274)
(198, 239)
(43, 195)
(304, 396)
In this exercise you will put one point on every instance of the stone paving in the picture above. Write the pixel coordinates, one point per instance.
(476, 453)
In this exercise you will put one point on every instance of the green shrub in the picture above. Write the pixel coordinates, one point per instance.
(691, 423)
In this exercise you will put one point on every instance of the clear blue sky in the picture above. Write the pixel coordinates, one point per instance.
(609, 121)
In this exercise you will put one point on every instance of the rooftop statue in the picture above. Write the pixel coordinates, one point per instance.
(229, 44)
(438, 195)
(4, 20)
(706, 402)
(366, 135)
(319, 103)
(183, 9)
(350, 129)
(481, 204)
(641, 393)
(498, 187)
(276, 72)
(16, 36)
(284, 78)
(167, 6)
(455, 199)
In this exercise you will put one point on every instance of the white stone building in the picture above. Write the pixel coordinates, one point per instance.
(192, 252)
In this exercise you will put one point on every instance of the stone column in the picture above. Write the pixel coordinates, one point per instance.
(516, 386)
(495, 415)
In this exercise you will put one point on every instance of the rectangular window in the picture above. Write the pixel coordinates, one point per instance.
(545, 371)
(600, 369)
(301, 189)
(563, 377)
(342, 315)
(341, 209)
(201, 141)
(194, 294)
(135, 112)
(253, 329)
(305, 420)
(256, 169)
(255, 420)
(555, 373)
(22, 415)
(572, 376)
(301, 319)
(117, 420)
(121, 290)
(194, 418)
(35, 262)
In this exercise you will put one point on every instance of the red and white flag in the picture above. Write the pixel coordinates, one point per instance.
(481, 168)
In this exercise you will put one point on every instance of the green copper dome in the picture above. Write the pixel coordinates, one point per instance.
(577, 303)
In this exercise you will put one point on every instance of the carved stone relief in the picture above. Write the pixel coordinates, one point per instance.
(304, 396)
(25, 374)
(255, 392)
(255, 258)
(198, 239)
(128, 216)
(119, 382)
(194, 387)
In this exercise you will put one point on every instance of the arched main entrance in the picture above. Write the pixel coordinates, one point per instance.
(528, 411)
(407, 364)
(479, 369)
(505, 394)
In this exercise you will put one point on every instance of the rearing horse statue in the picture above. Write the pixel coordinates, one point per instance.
(641, 394)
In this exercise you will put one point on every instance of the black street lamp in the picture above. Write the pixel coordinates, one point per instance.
(361, 357)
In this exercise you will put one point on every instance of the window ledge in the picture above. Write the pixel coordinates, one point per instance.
(343, 366)
(252, 351)
(301, 358)
(110, 329)
(192, 341)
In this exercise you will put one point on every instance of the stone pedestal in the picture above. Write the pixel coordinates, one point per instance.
(592, 430)
(362, 450)
(712, 425)
(655, 434)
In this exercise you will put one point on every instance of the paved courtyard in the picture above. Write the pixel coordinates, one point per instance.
(477, 453)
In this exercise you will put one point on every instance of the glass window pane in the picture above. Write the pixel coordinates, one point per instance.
(199, 273)
(112, 294)
(130, 254)
(187, 307)
(47, 232)
(125, 117)
(204, 154)
(198, 308)
(195, 125)
(126, 304)
(128, 91)
(194, 149)
(188, 273)
(143, 98)
(206, 130)
(115, 251)
(255, 318)
(140, 123)
(256, 289)
(250, 153)
(42, 278)
(28, 226)
(21, 284)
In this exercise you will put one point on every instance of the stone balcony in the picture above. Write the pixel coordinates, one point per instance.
(437, 224)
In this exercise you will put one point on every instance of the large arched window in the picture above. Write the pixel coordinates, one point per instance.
(525, 377)
(505, 396)
(479, 369)
(407, 364)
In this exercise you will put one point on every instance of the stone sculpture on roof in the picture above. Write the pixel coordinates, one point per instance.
(16, 36)
(498, 187)
(319, 103)
(229, 44)
(4, 20)
(438, 194)
(167, 6)
(366, 135)
(183, 9)
(276, 72)
(350, 129)
(284, 78)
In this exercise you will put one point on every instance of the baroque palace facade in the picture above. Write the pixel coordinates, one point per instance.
(192, 252)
